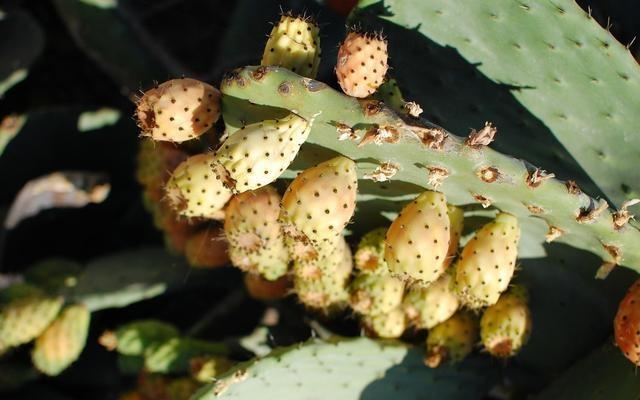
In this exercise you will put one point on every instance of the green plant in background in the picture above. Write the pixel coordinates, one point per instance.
(283, 176)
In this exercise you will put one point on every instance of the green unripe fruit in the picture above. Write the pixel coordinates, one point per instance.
(133, 338)
(375, 294)
(452, 340)
(369, 257)
(173, 355)
(425, 307)
(505, 326)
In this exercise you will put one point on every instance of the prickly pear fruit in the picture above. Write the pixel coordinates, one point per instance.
(258, 154)
(362, 64)
(369, 257)
(256, 242)
(487, 263)
(456, 224)
(133, 338)
(418, 240)
(178, 110)
(321, 293)
(294, 43)
(173, 355)
(389, 325)
(26, 314)
(452, 340)
(206, 368)
(266, 290)
(506, 325)
(425, 307)
(320, 202)
(156, 161)
(627, 324)
(207, 249)
(335, 261)
(63, 341)
(375, 294)
(196, 188)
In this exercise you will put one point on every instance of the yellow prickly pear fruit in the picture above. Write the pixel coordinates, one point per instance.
(418, 240)
(487, 263)
(63, 341)
(362, 64)
(375, 294)
(505, 326)
(388, 325)
(294, 43)
(178, 110)
(456, 224)
(452, 340)
(369, 257)
(425, 307)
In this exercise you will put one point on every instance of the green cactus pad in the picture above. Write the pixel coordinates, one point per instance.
(349, 369)
(476, 174)
(585, 92)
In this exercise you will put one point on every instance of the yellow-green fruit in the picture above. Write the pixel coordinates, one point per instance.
(417, 241)
(362, 64)
(331, 261)
(425, 307)
(294, 43)
(133, 338)
(505, 326)
(320, 202)
(375, 294)
(487, 263)
(256, 242)
(178, 110)
(26, 315)
(369, 257)
(456, 224)
(197, 188)
(63, 341)
(257, 154)
(206, 369)
(388, 325)
(452, 340)
(173, 355)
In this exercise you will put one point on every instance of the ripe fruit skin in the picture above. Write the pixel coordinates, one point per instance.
(63, 341)
(178, 110)
(258, 154)
(265, 290)
(505, 326)
(375, 294)
(362, 64)
(207, 249)
(487, 263)
(369, 257)
(256, 242)
(389, 325)
(626, 325)
(456, 224)
(26, 314)
(294, 43)
(452, 340)
(425, 307)
(133, 338)
(196, 188)
(320, 202)
(418, 240)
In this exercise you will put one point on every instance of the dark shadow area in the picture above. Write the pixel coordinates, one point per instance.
(457, 96)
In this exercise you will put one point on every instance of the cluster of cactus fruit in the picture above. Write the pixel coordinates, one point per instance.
(402, 275)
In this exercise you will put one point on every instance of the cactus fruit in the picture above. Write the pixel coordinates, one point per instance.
(263, 289)
(133, 338)
(369, 257)
(451, 340)
(456, 224)
(206, 369)
(375, 294)
(335, 262)
(627, 324)
(63, 341)
(362, 63)
(258, 154)
(425, 307)
(196, 188)
(173, 355)
(418, 240)
(207, 249)
(320, 202)
(388, 326)
(26, 315)
(294, 43)
(256, 242)
(505, 326)
(178, 110)
(487, 263)
(155, 163)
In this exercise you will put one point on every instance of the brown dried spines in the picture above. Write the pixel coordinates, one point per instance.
(178, 110)
(362, 64)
